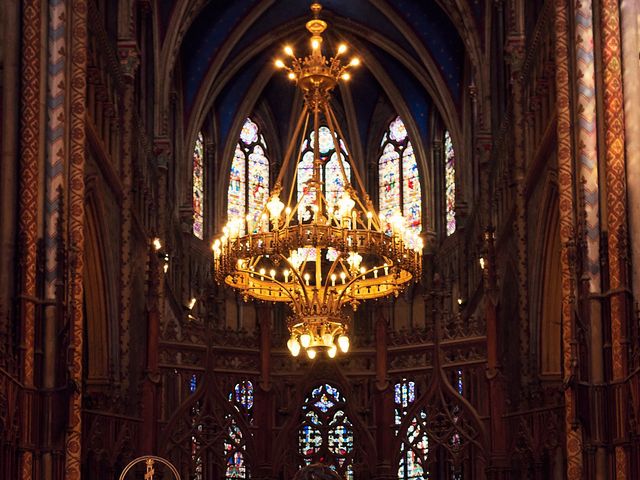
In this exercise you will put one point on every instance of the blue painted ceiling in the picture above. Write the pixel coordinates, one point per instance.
(421, 25)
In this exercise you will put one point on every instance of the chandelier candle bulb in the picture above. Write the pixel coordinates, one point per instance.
(343, 343)
(333, 279)
(288, 50)
(305, 340)
(332, 351)
(311, 353)
(342, 48)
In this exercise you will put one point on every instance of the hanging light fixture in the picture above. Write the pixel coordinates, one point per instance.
(319, 257)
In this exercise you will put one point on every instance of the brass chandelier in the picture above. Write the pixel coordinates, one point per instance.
(317, 254)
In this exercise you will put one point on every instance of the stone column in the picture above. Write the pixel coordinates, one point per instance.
(129, 62)
(384, 406)
(9, 168)
(573, 429)
(28, 200)
(78, 76)
(630, 12)
(617, 222)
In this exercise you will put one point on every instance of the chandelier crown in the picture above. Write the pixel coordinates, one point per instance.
(326, 251)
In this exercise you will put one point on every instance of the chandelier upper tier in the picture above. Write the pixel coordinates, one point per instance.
(319, 253)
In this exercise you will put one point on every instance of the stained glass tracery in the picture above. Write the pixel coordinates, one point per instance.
(449, 183)
(326, 433)
(249, 180)
(198, 187)
(414, 448)
(398, 179)
(234, 445)
(331, 173)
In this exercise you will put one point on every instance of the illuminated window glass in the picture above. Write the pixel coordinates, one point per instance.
(326, 433)
(449, 183)
(415, 443)
(235, 444)
(399, 190)
(198, 187)
(331, 173)
(249, 180)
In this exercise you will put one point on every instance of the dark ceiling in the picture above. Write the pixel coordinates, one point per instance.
(405, 43)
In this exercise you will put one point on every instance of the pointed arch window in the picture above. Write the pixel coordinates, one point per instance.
(415, 442)
(399, 189)
(330, 174)
(235, 444)
(326, 433)
(449, 183)
(249, 180)
(198, 187)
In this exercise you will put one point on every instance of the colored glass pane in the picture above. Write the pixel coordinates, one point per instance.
(326, 433)
(306, 196)
(414, 450)
(236, 206)
(389, 184)
(198, 187)
(397, 131)
(335, 184)
(411, 202)
(249, 180)
(450, 183)
(460, 382)
(258, 188)
(244, 394)
(326, 141)
(249, 132)
(193, 383)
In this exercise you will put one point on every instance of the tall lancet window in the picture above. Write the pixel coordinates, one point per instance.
(330, 174)
(415, 442)
(399, 179)
(449, 183)
(198, 187)
(326, 433)
(249, 180)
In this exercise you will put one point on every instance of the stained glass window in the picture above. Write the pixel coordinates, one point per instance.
(326, 433)
(399, 190)
(449, 183)
(415, 443)
(249, 180)
(193, 383)
(198, 187)
(331, 173)
(234, 445)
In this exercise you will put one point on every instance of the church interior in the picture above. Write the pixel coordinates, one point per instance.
(400, 238)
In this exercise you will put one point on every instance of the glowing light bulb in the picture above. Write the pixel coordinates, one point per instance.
(343, 276)
(262, 271)
(332, 351)
(355, 61)
(482, 263)
(346, 76)
(288, 50)
(192, 303)
(275, 207)
(315, 44)
(292, 75)
(311, 353)
(327, 339)
(272, 272)
(279, 63)
(333, 279)
(343, 343)
(305, 340)
(157, 244)
(295, 348)
(287, 272)
(342, 48)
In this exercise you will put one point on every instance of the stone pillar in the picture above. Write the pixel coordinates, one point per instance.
(28, 199)
(129, 60)
(630, 12)
(78, 76)
(383, 398)
(617, 222)
(573, 429)
(263, 415)
(9, 177)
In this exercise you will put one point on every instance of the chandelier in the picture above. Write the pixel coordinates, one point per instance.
(321, 255)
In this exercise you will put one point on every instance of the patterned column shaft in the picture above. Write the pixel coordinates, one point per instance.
(567, 231)
(29, 152)
(616, 211)
(587, 135)
(78, 75)
(630, 12)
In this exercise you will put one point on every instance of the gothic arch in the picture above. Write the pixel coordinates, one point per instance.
(322, 372)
